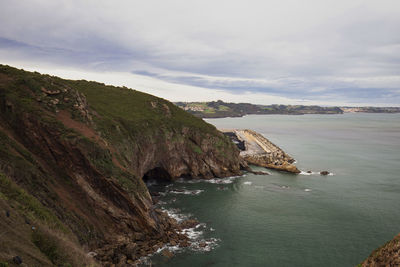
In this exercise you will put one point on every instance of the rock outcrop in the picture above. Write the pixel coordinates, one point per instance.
(73, 156)
(258, 150)
(387, 255)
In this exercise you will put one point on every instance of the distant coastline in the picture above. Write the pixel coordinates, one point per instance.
(220, 109)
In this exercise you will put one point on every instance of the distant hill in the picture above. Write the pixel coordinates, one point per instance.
(371, 109)
(220, 109)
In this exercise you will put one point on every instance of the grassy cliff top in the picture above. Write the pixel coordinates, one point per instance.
(136, 109)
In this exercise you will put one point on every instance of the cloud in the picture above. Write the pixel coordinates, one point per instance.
(325, 51)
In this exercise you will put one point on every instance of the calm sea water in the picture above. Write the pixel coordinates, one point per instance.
(299, 220)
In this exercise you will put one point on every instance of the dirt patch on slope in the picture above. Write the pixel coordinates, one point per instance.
(65, 117)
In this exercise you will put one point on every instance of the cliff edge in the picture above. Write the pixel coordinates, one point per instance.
(73, 159)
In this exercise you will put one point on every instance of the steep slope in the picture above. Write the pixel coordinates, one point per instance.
(79, 151)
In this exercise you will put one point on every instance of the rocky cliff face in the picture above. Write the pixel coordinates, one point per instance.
(73, 156)
(387, 255)
(258, 150)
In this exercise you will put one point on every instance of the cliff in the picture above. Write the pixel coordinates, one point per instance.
(73, 156)
(387, 255)
(258, 150)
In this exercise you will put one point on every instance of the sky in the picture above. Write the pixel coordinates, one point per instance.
(330, 52)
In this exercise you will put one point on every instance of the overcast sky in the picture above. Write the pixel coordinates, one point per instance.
(325, 52)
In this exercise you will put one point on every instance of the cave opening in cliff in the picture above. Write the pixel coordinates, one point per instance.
(157, 175)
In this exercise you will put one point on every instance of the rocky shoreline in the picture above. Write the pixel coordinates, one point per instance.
(257, 150)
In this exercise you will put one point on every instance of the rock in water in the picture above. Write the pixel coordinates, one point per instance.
(324, 173)
(260, 151)
(168, 254)
(189, 223)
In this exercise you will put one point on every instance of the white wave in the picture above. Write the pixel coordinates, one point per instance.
(188, 181)
(197, 242)
(227, 180)
(205, 245)
(186, 192)
(247, 183)
(174, 213)
(307, 190)
(315, 173)
(195, 235)
(192, 233)
(145, 260)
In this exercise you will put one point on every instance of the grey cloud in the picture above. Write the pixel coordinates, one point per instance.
(292, 47)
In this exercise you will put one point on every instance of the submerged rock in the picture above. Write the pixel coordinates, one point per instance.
(166, 253)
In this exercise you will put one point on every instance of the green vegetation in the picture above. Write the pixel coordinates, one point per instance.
(26, 203)
(48, 244)
(7, 144)
(221, 109)
(124, 117)
(59, 249)
(209, 110)
(196, 148)
(21, 161)
(135, 111)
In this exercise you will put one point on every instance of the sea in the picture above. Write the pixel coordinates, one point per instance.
(285, 219)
